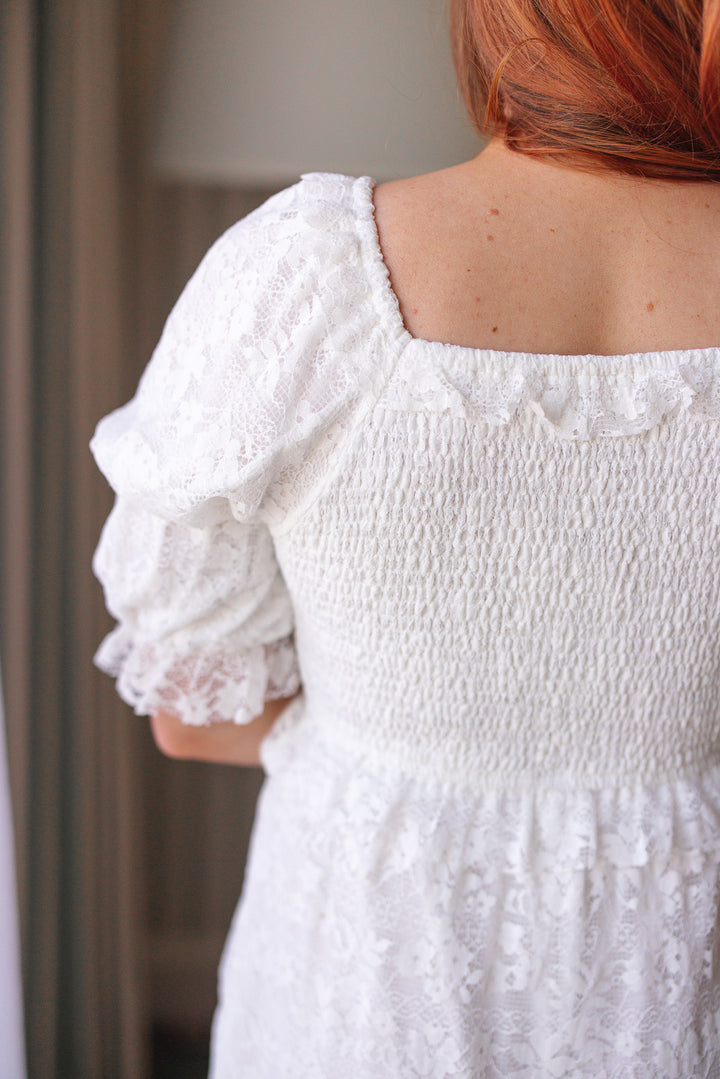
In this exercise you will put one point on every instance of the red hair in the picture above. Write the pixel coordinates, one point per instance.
(628, 85)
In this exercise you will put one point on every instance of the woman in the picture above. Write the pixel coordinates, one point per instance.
(417, 505)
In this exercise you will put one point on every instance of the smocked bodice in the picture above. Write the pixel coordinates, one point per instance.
(510, 607)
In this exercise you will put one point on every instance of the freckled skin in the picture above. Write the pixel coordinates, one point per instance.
(568, 266)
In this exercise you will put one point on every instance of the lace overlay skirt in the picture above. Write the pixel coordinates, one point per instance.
(393, 928)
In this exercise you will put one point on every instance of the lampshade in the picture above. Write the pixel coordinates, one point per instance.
(259, 91)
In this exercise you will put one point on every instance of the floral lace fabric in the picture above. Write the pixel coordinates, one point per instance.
(489, 840)
(205, 622)
(411, 935)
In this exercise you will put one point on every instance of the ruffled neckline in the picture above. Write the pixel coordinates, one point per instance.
(581, 397)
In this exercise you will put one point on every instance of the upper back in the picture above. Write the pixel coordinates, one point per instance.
(510, 253)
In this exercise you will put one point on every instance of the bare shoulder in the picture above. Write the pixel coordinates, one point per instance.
(411, 206)
(516, 254)
(420, 222)
(414, 191)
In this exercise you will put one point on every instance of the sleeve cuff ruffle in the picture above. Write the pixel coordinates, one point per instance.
(199, 689)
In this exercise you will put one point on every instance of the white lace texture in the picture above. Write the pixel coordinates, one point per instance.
(586, 404)
(488, 845)
(205, 622)
(407, 936)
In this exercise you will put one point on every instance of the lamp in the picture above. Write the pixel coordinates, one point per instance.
(257, 92)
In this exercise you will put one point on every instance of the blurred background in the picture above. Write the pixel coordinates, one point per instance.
(133, 133)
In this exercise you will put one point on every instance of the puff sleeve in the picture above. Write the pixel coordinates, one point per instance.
(186, 557)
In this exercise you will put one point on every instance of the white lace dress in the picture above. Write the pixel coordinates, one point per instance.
(488, 843)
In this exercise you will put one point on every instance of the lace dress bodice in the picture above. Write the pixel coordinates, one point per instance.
(489, 838)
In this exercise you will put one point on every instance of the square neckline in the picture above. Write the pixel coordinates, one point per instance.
(499, 360)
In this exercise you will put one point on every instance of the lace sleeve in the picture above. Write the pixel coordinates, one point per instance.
(187, 564)
(262, 373)
(264, 355)
(204, 619)
(213, 409)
